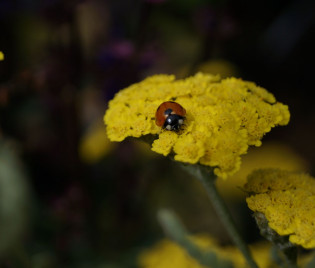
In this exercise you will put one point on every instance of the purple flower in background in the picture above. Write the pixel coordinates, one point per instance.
(115, 51)
(155, 1)
(212, 22)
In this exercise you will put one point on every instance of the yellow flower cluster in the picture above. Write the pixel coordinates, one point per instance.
(287, 199)
(223, 118)
(218, 66)
(1, 56)
(167, 254)
(94, 145)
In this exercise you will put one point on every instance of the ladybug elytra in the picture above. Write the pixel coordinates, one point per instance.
(170, 115)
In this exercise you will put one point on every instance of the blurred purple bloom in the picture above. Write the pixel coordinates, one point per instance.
(155, 1)
(114, 52)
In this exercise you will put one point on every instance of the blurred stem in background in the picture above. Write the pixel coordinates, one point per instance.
(15, 205)
(173, 227)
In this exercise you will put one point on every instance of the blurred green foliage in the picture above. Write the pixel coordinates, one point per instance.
(15, 201)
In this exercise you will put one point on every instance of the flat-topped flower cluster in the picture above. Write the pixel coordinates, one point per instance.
(224, 117)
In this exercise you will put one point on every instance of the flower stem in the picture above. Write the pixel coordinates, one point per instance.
(283, 251)
(291, 257)
(286, 257)
(208, 180)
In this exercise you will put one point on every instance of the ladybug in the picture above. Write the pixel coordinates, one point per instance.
(170, 115)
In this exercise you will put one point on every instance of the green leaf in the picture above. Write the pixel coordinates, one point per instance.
(177, 232)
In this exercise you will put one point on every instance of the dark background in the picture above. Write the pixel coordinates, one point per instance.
(64, 60)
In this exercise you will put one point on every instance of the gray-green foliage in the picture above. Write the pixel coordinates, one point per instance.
(14, 200)
(177, 232)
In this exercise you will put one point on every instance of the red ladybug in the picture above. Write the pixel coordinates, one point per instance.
(170, 115)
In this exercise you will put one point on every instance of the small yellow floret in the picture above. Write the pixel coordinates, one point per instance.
(287, 199)
(1, 56)
(223, 118)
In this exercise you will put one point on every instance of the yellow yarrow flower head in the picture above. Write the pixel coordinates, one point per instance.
(223, 117)
(167, 254)
(287, 200)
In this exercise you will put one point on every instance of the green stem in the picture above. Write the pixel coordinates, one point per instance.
(208, 182)
(285, 257)
(283, 251)
(291, 257)
(311, 264)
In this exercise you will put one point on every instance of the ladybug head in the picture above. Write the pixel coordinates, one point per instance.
(173, 122)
